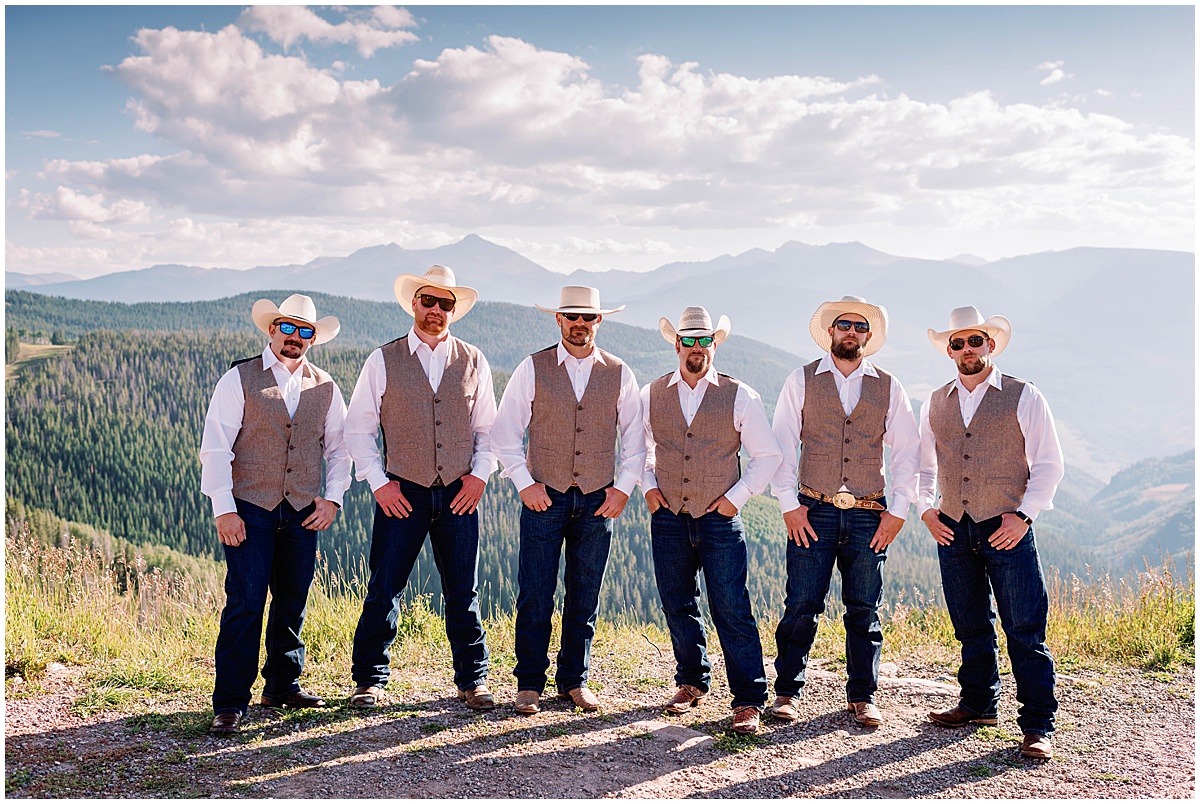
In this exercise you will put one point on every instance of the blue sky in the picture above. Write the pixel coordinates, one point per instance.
(599, 137)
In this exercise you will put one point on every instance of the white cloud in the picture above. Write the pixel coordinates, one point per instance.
(42, 134)
(509, 134)
(1055, 72)
(368, 31)
(1103, 93)
(70, 205)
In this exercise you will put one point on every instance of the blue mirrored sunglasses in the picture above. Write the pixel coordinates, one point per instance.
(288, 328)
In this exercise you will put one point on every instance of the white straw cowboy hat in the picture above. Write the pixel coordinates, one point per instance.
(575, 299)
(963, 318)
(695, 323)
(441, 277)
(828, 312)
(297, 307)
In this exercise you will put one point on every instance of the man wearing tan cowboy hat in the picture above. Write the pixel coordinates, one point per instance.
(843, 409)
(431, 394)
(575, 399)
(989, 450)
(272, 420)
(697, 421)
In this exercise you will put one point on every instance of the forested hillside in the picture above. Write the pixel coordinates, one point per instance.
(108, 435)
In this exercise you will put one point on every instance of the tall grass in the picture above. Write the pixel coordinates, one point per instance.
(138, 632)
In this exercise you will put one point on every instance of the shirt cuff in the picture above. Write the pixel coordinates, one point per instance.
(223, 504)
(923, 506)
(626, 483)
(899, 506)
(738, 495)
(521, 478)
(482, 466)
(789, 500)
(478, 473)
(377, 479)
(649, 481)
(1029, 509)
(335, 495)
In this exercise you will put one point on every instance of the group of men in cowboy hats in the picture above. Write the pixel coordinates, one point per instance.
(575, 435)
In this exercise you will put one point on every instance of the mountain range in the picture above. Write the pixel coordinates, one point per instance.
(1106, 334)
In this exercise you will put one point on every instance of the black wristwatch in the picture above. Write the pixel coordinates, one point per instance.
(1024, 517)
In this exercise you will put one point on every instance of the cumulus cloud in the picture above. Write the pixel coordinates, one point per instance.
(70, 205)
(368, 31)
(42, 134)
(511, 134)
(1054, 72)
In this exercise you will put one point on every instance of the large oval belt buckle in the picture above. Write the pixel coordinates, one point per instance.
(844, 500)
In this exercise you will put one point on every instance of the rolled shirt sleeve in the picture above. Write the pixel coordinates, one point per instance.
(222, 423)
(362, 421)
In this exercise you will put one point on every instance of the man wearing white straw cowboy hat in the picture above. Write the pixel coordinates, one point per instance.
(575, 400)
(842, 409)
(431, 395)
(272, 420)
(990, 463)
(697, 421)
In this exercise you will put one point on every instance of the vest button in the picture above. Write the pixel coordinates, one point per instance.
(288, 425)
(848, 421)
(845, 480)
(289, 471)
(966, 480)
(968, 435)
(845, 460)
(437, 424)
(689, 435)
(291, 446)
(687, 457)
(685, 499)
(437, 401)
(966, 457)
(965, 502)
(579, 429)
(577, 452)
(685, 480)
(439, 446)
(847, 441)
(579, 407)
(575, 474)
(439, 468)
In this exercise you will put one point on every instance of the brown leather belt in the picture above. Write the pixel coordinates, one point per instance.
(845, 500)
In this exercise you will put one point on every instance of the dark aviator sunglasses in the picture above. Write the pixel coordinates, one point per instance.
(288, 328)
(429, 301)
(975, 341)
(859, 326)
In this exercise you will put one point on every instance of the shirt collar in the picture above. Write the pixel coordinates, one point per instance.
(563, 354)
(415, 343)
(992, 380)
(710, 377)
(866, 367)
(270, 360)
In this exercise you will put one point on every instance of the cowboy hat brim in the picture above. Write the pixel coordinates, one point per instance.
(718, 333)
(828, 312)
(578, 309)
(997, 328)
(407, 285)
(265, 313)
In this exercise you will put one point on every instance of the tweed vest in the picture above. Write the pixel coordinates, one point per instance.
(982, 469)
(277, 457)
(840, 450)
(573, 442)
(695, 464)
(428, 435)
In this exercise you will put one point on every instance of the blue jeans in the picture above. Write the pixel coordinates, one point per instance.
(969, 566)
(395, 544)
(570, 521)
(684, 546)
(278, 554)
(843, 538)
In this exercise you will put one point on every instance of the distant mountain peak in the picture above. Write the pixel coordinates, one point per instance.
(968, 259)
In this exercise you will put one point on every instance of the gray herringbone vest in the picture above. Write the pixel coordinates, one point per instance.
(695, 465)
(982, 469)
(573, 442)
(277, 457)
(428, 435)
(839, 449)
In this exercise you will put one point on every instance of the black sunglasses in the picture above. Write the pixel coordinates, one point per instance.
(588, 317)
(956, 344)
(859, 326)
(429, 301)
(288, 328)
(704, 341)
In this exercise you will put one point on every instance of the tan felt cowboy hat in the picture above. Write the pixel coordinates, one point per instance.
(964, 318)
(441, 277)
(695, 323)
(575, 299)
(828, 312)
(297, 307)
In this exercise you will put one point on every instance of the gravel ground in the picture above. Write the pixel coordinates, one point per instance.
(1122, 734)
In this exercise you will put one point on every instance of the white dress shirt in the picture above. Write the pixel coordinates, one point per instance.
(749, 419)
(362, 417)
(223, 422)
(1042, 450)
(900, 433)
(516, 409)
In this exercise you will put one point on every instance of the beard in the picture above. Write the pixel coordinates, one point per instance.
(697, 363)
(972, 364)
(432, 324)
(579, 336)
(291, 349)
(847, 349)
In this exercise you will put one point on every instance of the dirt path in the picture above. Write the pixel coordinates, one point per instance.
(1122, 734)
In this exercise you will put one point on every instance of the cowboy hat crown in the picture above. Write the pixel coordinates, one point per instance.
(578, 299)
(695, 323)
(297, 307)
